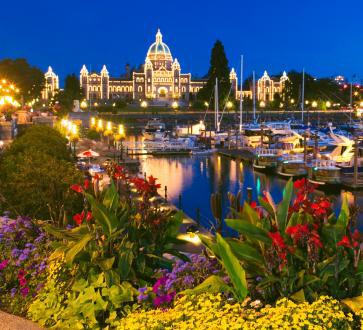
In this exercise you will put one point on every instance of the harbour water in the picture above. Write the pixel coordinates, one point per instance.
(190, 181)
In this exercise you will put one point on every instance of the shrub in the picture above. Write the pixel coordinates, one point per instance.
(35, 173)
(24, 250)
(210, 311)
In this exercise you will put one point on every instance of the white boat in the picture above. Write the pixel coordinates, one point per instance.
(266, 159)
(292, 165)
(155, 130)
(324, 172)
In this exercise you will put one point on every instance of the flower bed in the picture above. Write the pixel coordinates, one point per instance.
(209, 311)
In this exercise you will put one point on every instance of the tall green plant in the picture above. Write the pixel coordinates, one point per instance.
(295, 249)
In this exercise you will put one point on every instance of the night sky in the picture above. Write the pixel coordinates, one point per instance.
(324, 36)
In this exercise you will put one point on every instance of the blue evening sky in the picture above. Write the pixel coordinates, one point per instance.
(324, 36)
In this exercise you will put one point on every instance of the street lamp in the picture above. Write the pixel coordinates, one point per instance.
(119, 137)
(73, 136)
(83, 104)
(108, 133)
(229, 105)
(175, 105)
(143, 104)
(93, 122)
(314, 104)
(262, 104)
(328, 104)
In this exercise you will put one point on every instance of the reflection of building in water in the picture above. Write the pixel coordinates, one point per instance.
(170, 173)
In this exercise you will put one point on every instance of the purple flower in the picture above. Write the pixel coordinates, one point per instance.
(142, 297)
(24, 291)
(188, 280)
(143, 290)
(13, 292)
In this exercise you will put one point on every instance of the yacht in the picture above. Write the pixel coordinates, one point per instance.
(155, 130)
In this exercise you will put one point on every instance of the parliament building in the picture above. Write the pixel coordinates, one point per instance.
(161, 80)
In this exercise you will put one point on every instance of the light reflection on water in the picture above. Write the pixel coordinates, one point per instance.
(196, 177)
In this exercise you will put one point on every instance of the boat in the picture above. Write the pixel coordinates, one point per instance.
(292, 166)
(155, 130)
(266, 159)
(324, 172)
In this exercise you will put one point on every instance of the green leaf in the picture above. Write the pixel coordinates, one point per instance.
(111, 200)
(355, 304)
(212, 284)
(233, 268)
(343, 218)
(298, 296)
(125, 261)
(245, 251)
(249, 230)
(106, 264)
(283, 208)
(210, 244)
(250, 214)
(103, 216)
(76, 248)
(267, 206)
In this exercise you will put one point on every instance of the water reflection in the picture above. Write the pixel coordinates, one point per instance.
(196, 177)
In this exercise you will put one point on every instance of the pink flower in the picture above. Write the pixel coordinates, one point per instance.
(24, 291)
(3, 264)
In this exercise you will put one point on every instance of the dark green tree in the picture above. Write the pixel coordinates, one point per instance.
(29, 79)
(218, 69)
(72, 91)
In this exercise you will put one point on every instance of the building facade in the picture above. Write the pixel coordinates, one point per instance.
(268, 87)
(51, 85)
(160, 81)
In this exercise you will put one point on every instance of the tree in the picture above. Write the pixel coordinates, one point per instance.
(29, 79)
(218, 69)
(72, 91)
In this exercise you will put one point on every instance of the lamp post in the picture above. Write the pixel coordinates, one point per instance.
(99, 127)
(108, 133)
(119, 137)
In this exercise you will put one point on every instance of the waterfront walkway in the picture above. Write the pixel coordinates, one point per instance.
(12, 322)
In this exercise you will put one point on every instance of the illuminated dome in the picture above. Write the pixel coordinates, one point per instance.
(159, 51)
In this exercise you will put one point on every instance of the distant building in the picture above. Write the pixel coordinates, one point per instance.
(160, 80)
(268, 87)
(51, 85)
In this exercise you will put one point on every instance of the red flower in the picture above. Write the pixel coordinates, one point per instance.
(277, 239)
(78, 218)
(77, 188)
(315, 206)
(300, 184)
(253, 204)
(345, 242)
(22, 281)
(356, 235)
(324, 204)
(21, 273)
(297, 232)
(89, 216)
(315, 240)
(86, 184)
(96, 177)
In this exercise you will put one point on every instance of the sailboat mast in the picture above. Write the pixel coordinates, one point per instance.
(241, 97)
(303, 96)
(254, 96)
(216, 107)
